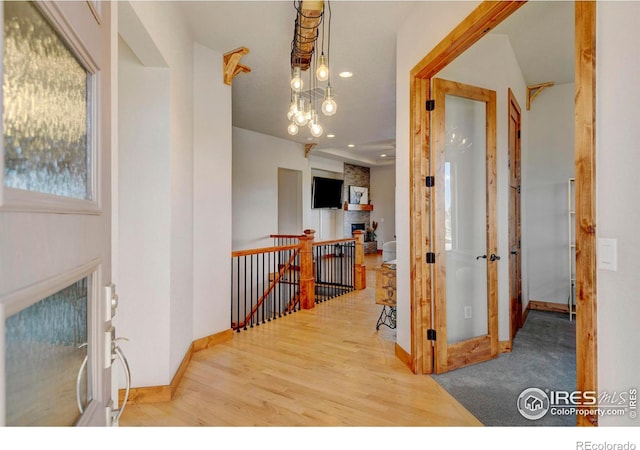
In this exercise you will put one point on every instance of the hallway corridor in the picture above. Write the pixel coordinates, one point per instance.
(327, 366)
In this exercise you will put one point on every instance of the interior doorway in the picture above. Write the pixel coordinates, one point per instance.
(289, 201)
(484, 18)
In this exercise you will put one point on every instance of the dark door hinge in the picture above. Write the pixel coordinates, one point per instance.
(431, 258)
(518, 134)
(430, 181)
(431, 335)
(430, 105)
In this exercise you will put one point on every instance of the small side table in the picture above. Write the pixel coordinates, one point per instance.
(386, 294)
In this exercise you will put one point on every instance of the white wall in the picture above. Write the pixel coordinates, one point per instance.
(144, 217)
(382, 193)
(547, 164)
(618, 214)
(256, 159)
(425, 27)
(211, 194)
(165, 307)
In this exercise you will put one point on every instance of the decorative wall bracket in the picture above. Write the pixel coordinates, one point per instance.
(534, 90)
(231, 64)
(308, 148)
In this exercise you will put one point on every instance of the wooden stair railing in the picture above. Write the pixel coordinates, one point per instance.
(328, 269)
(284, 268)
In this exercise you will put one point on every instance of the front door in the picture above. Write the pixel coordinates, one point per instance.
(55, 214)
(465, 282)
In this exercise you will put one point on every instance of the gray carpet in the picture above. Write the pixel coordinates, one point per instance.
(543, 356)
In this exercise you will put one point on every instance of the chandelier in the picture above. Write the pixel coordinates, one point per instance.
(310, 24)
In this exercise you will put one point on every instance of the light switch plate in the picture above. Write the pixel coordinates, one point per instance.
(608, 254)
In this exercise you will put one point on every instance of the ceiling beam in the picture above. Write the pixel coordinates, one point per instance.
(306, 32)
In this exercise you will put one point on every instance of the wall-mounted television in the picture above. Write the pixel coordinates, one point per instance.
(326, 193)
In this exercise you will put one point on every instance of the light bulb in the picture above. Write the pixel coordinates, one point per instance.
(292, 129)
(329, 105)
(301, 118)
(316, 130)
(296, 80)
(313, 118)
(322, 72)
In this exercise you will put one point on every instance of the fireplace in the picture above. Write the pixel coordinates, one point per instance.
(357, 226)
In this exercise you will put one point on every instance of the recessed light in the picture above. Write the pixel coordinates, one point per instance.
(331, 136)
(351, 145)
(383, 155)
(345, 74)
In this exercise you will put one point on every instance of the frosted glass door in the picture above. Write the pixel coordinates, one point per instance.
(55, 214)
(466, 216)
(465, 281)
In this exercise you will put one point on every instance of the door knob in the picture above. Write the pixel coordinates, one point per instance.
(481, 256)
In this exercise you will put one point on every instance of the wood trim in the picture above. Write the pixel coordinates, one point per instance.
(147, 394)
(158, 394)
(257, 251)
(585, 192)
(468, 352)
(525, 314)
(355, 207)
(548, 306)
(403, 356)
(181, 370)
(505, 346)
(481, 20)
(419, 236)
(211, 340)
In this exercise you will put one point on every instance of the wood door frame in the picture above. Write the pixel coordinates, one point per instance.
(481, 20)
(515, 165)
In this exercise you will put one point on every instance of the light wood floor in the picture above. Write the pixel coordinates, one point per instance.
(322, 367)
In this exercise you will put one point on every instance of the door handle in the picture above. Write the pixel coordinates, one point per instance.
(514, 252)
(79, 379)
(494, 257)
(117, 353)
(481, 256)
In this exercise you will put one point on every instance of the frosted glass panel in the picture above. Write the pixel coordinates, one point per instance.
(43, 358)
(465, 218)
(45, 123)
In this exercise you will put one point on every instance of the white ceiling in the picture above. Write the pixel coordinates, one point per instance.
(363, 41)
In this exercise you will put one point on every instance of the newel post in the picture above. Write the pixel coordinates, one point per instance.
(307, 278)
(359, 269)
